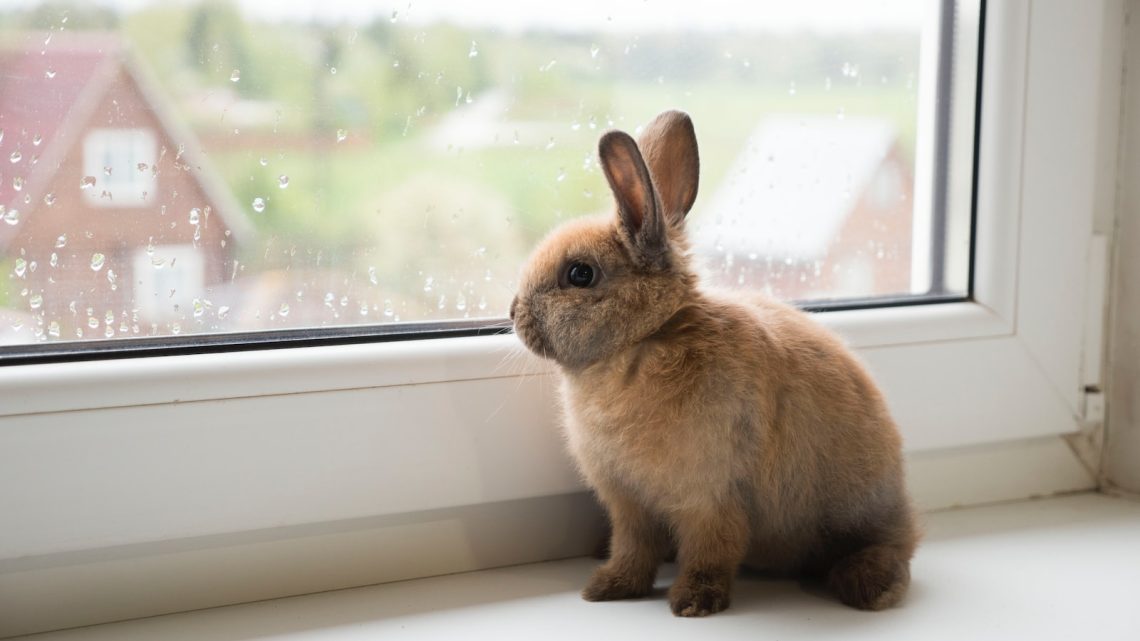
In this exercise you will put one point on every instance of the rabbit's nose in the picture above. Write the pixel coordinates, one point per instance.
(514, 304)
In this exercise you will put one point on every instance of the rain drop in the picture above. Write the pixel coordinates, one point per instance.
(93, 322)
(16, 156)
(282, 181)
(12, 216)
(49, 74)
(195, 216)
(594, 49)
(142, 166)
(61, 241)
(341, 134)
(427, 284)
(283, 310)
(54, 261)
(97, 261)
(388, 311)
(460, 303)
(235, 75)
(561, 175)
(53, 329)
(264, 161)
(259, 204)
(474, 52)
(372, 278)
(107, 171)
(21, 267)
(87, 183)
(37, 140)
(223, 311)
(36, 301)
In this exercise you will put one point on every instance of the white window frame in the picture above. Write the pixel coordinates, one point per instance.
(101, 459)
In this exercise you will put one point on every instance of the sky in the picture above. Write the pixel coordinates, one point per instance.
(823, 16)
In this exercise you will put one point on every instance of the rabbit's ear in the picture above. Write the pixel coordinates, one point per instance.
(669, 145)
(633, 189)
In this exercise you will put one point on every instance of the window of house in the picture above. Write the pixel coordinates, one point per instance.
(119, 167)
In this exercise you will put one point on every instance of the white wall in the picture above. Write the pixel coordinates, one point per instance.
(1123, 461)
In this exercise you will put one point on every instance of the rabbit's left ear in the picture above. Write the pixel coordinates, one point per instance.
(638, 213)
(669, 146)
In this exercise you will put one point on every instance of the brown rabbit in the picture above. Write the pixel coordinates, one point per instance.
(729, 430)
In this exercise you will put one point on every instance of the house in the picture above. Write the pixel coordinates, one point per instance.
(113, 221)
(813, 208)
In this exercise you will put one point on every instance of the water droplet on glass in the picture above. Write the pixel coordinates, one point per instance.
(61, 241)
(93, 322)
(372, 278)
(839, 114)
(792, 89)
(332, 70)
(282, 181)
(259, 204)
(142, 166)
(575, 126)
(550, 144)
(264, 161)
(21, 267)
(235, 75)
(482, 303)
(363, 309)
(394, 14)
(460, 303)
(97, 261)
(388, 311)
(594, 49)
(428, 284)
(107, 171)
(16, 156)
(341, 134)
(561, 175)
(37, 140)
(474, 51)
(112, 277)
(53, 329)
(283, 310)
(109, 331)
(223, 311)
(49, 74)
(87, 183)
(12, 216)
(195, 216)
(36, 301)
(199, 308)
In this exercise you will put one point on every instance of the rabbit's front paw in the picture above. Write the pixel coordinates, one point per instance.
(609, 584)
(700, 594)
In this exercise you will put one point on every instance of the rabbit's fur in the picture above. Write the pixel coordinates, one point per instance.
(727, 427)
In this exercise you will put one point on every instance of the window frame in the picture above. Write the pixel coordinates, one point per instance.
(265, 441)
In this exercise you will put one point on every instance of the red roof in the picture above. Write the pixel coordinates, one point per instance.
(40, 85)
(48, 91)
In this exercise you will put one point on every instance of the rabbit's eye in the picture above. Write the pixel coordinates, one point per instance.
(580, 275)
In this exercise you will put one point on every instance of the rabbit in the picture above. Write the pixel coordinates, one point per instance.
(729, 428)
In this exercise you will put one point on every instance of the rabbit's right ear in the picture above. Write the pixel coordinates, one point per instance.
(638, 211)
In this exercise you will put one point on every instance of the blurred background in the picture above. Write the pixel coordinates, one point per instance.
(217, 166)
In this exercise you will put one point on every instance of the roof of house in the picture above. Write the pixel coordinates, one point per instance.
(789, 192)
(48, 95)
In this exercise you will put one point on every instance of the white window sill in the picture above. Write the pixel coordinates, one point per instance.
(1047, 569)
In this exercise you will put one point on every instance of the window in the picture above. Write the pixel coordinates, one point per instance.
(387, 167)
(119, 162)
(352, 456)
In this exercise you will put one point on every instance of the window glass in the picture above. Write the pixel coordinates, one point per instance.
(212, 166)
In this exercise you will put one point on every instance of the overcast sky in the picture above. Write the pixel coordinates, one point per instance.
(827, 16)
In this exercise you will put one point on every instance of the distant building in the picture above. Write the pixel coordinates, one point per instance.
(114, 219)
(813, 207)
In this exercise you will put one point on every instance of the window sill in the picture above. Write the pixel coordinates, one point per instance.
(1010, 568)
